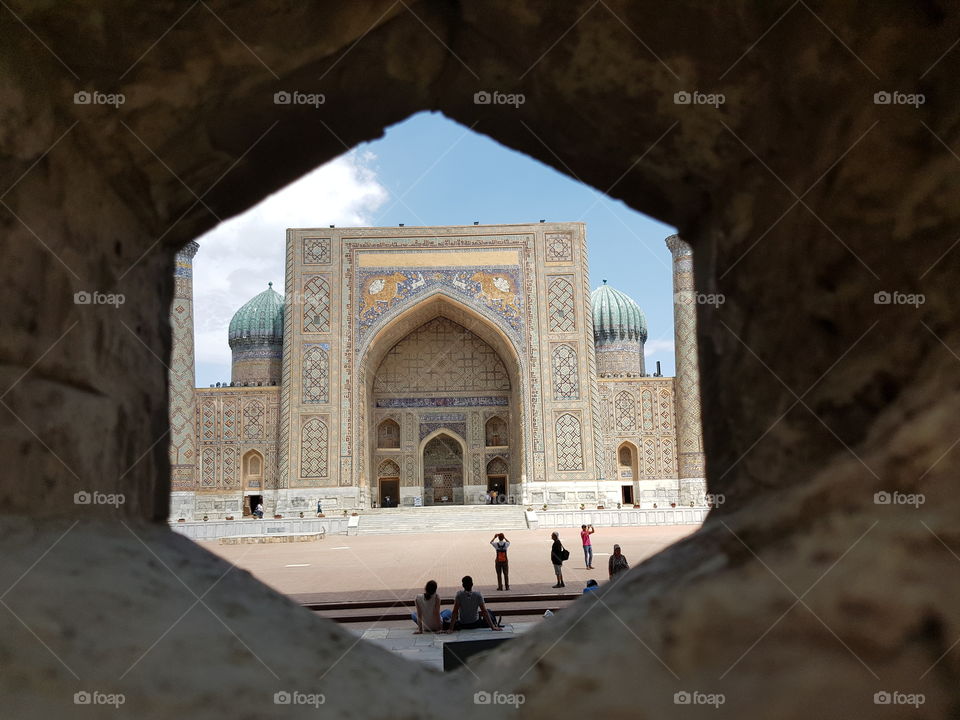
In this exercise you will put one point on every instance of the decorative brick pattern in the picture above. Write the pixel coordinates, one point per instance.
(625, 412)
(313, 449)
(315, 380)
(559, 247)
(566, 376)
(562, 314)
(253, 417)
(316, 305)
(316, 251)
(569, 436)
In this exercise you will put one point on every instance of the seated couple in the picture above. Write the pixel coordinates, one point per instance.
(468, 611)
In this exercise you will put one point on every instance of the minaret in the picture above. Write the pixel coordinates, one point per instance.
(182, 377)
(690, 459)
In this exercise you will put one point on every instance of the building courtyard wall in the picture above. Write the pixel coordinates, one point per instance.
(439, 330)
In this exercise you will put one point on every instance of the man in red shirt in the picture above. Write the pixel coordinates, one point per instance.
(585, 532)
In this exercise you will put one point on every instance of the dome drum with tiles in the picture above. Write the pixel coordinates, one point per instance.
(256, 340)
(619, 332)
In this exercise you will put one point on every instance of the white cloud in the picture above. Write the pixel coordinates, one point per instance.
(652, 347)
(240, 256)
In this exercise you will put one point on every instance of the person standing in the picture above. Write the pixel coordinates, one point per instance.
(319, 508)
(557, 555)
(618, 563)
(500, 545)
(585, 532)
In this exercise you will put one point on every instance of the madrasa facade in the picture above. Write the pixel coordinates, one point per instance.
(417, 366)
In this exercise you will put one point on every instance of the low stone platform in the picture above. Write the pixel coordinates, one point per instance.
(428, 647)
(260, 539)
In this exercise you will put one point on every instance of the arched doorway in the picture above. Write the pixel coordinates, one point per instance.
(498, 479)
(388, 484)
(440, 365)
(443, 471)
(627, 469)
(251, 473)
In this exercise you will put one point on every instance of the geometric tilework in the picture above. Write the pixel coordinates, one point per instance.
(313, 449)
(316, 251)
(646, 410)
(439, 357)
(566, 382)
(229, 420)
(316, 370)
(388, 469)
(559, 247)
(253, 417)
(316, 305)
(560, 302)
(569, 443)
(208, 421)
(625, 412)
(208, 468)
(231, 479)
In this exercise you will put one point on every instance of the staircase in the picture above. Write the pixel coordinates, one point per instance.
(493, 518)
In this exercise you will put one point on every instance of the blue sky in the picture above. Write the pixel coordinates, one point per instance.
(428, 170)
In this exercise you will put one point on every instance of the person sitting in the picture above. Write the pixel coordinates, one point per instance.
(592, 586)
(469, 611)
(428, 616)
(617, 563)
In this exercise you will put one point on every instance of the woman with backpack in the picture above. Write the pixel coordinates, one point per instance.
(557, 555)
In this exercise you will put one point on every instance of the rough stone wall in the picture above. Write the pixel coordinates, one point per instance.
(804, 198)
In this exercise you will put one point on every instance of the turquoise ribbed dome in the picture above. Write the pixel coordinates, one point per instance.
(260, 320)
(616, 316)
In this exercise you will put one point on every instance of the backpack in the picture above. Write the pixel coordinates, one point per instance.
(564, 554)
(501, 555)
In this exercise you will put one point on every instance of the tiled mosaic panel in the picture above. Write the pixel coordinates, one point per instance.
(316, 305)
(559, 247)
(316, 251)
(388, 469)
(625, 412)
(316, 375)
(441, 356)
(313, 449)
(569, 443)
(566, 378)
(560, 304)
(253, 418)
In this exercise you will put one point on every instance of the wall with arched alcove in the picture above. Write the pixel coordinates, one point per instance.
(812, 209)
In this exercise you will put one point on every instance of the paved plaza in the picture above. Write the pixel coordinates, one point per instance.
(385, 567)
(381, 567)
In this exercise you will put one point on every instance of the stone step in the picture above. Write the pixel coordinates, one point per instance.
(442, 519)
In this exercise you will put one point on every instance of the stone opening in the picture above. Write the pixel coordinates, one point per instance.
(799, 585)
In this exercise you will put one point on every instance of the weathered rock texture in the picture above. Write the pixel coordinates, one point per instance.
(801, 196)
